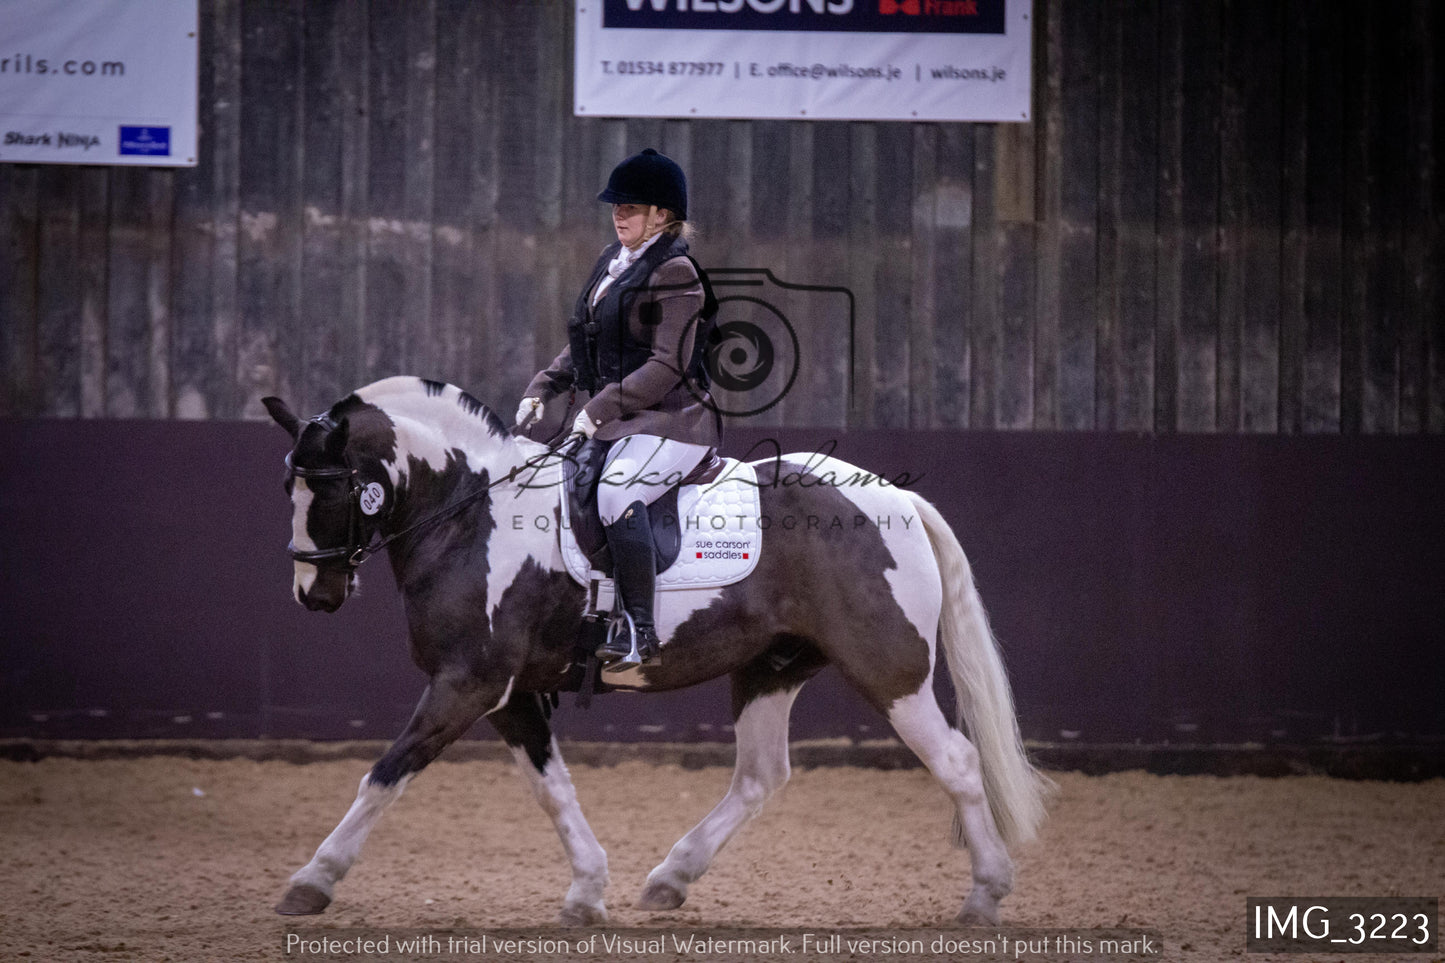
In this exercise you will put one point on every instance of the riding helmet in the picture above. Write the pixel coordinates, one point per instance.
(648, 178)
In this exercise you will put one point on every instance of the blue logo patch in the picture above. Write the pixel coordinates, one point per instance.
(145, 140)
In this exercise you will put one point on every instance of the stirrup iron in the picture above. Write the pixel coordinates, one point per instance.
(633, 658)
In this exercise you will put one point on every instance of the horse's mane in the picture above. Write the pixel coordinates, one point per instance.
(432, 400)
(435, 417)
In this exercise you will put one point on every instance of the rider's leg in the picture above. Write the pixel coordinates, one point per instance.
(634, 569)
(639, 470)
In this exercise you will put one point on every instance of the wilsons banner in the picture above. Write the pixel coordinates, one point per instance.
(98, 82)
(805, 59)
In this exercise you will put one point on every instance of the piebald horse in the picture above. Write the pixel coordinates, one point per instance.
(492, 616)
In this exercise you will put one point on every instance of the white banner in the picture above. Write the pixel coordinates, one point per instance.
(941, 60)
(98, 82)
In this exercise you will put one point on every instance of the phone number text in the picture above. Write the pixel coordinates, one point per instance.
(673, 68)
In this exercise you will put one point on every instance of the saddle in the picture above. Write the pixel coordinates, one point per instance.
(707, 531)
(579, 508)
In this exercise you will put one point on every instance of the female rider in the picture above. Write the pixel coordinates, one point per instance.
(633, 345)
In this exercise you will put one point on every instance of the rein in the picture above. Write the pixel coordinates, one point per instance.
(357, 551)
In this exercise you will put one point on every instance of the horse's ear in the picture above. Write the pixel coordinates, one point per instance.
(283, 416)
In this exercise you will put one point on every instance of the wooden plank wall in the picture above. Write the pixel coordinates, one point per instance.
(1225, 217)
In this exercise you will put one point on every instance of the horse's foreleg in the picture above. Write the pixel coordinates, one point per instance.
(312, 885)
(761, 769)
(446, 710)
(524, 727)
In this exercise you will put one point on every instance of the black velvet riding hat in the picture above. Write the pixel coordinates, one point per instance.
(648, 178)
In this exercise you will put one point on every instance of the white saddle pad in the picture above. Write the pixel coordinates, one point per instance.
(721, 537)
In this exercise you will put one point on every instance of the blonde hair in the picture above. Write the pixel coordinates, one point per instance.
(682, 229)
(676, 227)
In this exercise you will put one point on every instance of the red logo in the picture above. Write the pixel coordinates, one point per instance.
(933, 8)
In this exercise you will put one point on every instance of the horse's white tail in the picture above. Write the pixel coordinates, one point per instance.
(1015, 790)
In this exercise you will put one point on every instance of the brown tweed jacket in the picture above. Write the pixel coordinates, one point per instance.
(654, 399)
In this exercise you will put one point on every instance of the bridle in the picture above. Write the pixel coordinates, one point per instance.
(359, 546)
(356, 550)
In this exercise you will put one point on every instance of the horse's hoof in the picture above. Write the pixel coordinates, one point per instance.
(974, 916)
(579, 914)
(303, 899)
(660, 896)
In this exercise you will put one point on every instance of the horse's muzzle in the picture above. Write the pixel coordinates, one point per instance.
(326, 604)
(325, 594)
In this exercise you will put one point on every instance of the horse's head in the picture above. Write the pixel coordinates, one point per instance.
(379, 458)
(338, 497)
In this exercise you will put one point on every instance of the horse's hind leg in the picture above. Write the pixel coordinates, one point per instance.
(446, 710)
(761, 726)
(524, 726)
(954, 762)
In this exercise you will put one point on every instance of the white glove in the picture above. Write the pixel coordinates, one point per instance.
(528, 411)
(584, 425)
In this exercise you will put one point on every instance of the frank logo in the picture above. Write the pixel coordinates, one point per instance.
(934, 8)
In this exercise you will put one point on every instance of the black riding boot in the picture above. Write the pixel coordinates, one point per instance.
(634, 573)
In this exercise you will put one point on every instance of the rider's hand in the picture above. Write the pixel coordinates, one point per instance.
(528, 411)
(584, 425)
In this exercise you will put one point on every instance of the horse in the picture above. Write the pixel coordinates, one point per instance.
(492, 615)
